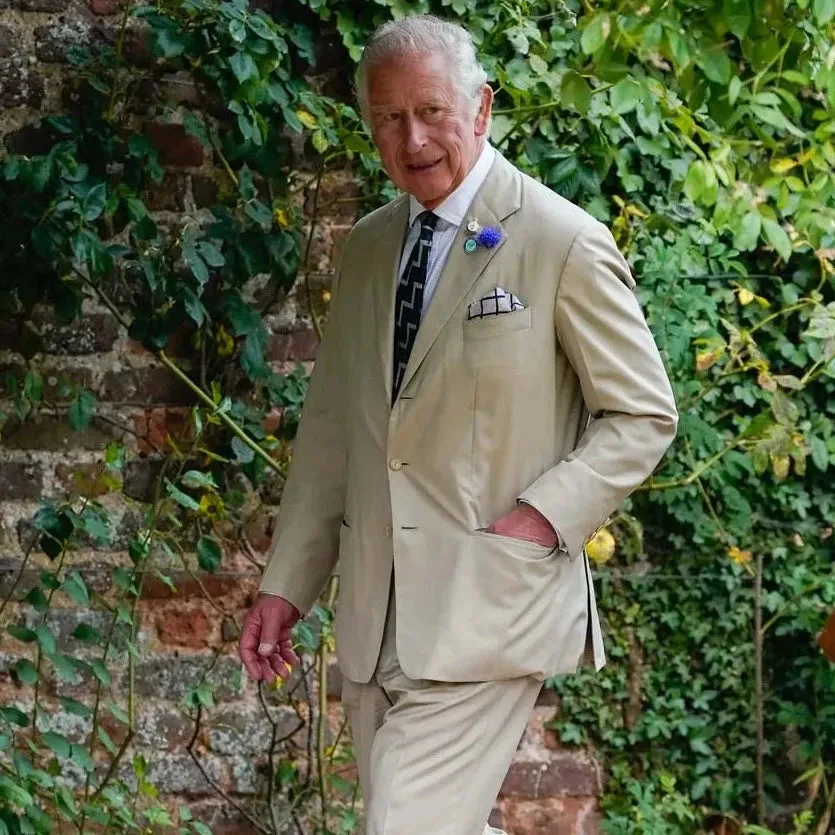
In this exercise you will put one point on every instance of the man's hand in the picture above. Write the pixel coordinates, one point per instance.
(525, 522)
(265, 645)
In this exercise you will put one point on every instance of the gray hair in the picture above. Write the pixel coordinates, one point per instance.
(418, 35)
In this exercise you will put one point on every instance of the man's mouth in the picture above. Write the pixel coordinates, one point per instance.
(421, 167)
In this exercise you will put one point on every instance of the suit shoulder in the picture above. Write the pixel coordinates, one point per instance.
(551, 207)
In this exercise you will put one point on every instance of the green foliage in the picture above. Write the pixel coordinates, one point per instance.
(702, 135)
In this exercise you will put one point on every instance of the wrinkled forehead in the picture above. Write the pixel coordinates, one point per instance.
(410, 82)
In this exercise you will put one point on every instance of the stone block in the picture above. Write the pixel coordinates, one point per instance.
(35, 5)
(54, 434)
(167, 196)
(177, 773)
(205, 191)
(20, 84)
(174, 145)
(248, 731)
(55, 41)
(294, 345)
(141, 475)
(141, 386)
(63, 622)
(8, 41)
(171, 676)
(162, 726)
(20, 481)
(93, 333)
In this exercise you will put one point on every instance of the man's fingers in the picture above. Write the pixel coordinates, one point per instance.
(289, 655)
(247, 645)
(271, 628)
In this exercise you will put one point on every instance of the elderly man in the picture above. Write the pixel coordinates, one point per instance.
(486, 394)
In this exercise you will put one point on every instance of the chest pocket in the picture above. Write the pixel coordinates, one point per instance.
(498, 340)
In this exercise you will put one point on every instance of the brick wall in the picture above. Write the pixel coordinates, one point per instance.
(548, 790)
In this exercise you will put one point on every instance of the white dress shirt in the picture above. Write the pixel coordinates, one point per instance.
(452, 213)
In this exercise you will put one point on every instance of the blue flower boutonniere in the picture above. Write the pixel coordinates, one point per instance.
(486, 236)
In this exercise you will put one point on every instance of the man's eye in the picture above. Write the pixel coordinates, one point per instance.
(389, 118)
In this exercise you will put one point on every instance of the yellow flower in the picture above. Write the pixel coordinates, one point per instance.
(745, 296)
(326, 296)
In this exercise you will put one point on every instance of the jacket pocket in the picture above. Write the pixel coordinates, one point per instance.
(493, 326)
(527, 550)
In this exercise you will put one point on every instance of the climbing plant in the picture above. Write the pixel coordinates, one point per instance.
(701, 133)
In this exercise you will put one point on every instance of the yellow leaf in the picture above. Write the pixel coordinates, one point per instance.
(762, 302)
(225, 343)
(745, 296)
(307, 119)
(780, 466)
(780, 166)
(706, 359)
(738, 556)
(601, 547)
(281, 218)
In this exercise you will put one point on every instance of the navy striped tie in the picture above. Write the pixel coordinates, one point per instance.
(409, 299)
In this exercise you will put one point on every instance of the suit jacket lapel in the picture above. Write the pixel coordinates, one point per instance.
(498, 198)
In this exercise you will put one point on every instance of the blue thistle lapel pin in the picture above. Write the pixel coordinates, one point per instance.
(484, 236)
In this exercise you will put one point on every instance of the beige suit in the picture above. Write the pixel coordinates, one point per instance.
(564, 404)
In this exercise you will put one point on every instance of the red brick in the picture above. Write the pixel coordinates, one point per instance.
(155, 425)
(563, 816)
(186, 587)
(81, 479)
(565, 773)
(105, 8)
(190, 628)
(167, 196)
(296, 345)
(140, 386)
(827, 638)
(174, 145)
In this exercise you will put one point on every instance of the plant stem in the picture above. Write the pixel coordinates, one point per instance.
(758, 687)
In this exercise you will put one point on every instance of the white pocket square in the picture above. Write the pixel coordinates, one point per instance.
(495, 303)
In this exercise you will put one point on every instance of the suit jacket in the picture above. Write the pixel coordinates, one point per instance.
(565, 405)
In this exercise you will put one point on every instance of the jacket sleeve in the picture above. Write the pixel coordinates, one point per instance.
(305, 543)
(603, 333)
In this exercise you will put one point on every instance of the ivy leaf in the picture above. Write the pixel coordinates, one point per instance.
(25, 672)
(195, 262)
(15, 716)
(262, 28)
(181, 498)
(243, 453)
(194, 307)
(82, 409)
(575, 92)
(21, 633)
(243, 66)
(738, 16)
(46, 639)
(595, 33)
(777, 237)
(76, 588)
(211, 254)
(194, 126)
(14, 794)
(748, 233)
(208, 553)
(824, 11)
(196, 479)
(237, 29)
(57, 743)
(625, 96)
(260, 213)
(716, 65)
(94, 203)
(33, 387)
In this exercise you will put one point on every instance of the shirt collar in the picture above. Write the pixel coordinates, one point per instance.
(455, 207)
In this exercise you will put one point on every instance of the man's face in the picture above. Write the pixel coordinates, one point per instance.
(424, 131)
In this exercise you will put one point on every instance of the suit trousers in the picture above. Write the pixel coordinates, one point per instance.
(432, 755)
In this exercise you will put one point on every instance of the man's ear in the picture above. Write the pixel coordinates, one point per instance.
(482, 119)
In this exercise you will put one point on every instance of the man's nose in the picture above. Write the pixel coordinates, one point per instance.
(415, 134)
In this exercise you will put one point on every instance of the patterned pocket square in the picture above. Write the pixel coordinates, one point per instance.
(495, 304)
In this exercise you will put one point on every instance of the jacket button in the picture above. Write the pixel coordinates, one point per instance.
(389, 530)
(395, 464)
